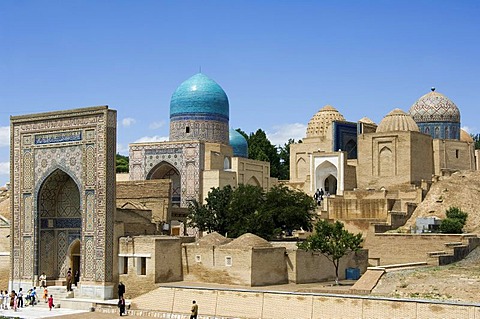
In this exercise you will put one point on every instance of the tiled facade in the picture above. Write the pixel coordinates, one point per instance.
(63, 191)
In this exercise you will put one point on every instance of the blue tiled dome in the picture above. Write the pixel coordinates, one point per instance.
(238, 143)
(199, 96)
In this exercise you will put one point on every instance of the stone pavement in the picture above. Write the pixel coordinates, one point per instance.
(39, 312)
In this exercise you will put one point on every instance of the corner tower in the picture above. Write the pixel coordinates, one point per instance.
(199, 110)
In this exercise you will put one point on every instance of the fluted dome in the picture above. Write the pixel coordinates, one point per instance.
(199, 95)
(397, 120)
(435, 107)
(322, 120)
(238, 143)
(366, 120)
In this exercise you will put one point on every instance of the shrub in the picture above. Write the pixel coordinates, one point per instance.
(451, 226)
(456, 213)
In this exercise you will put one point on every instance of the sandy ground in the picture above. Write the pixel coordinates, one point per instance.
(455, 282)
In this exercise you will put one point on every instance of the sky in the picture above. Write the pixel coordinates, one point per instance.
(278, 61)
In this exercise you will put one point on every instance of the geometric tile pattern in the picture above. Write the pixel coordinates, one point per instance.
(62, 162)
(186, 157)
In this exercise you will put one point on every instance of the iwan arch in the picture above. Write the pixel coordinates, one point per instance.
(63, 187)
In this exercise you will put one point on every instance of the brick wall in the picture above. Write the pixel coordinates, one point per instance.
(216, 303)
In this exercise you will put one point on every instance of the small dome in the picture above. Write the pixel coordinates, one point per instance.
(366, 120)
(322, 120)
(247, 241)
(199, 95)
(397, 120)
(465, 137)
(238, 143)
(212, 239)
(434, 107)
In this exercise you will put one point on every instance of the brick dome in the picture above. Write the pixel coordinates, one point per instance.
(321, 121)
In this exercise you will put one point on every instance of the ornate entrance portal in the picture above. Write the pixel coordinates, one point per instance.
(63, 206)
(60, 223)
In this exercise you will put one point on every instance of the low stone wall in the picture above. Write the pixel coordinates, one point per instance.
(214, 303)
(406, 248)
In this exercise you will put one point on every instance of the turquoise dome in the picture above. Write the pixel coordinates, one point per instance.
(238, 143)
(199, 97)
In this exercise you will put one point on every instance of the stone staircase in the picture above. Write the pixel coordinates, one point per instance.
(454, 251)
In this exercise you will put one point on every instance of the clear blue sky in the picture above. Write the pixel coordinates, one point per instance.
(278, 61)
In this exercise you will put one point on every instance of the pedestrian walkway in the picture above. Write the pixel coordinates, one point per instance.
(38, 312)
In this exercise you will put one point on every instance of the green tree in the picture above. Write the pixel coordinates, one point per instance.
(213, 216)
(455, 221)
(288, 209)
(333, 241)
(245, 203)
(121, 163)
(284, 155)
(249, 209)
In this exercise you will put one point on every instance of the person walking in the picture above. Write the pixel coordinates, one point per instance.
(69, 279)
(20, 298)
(194, 310)
(50, 302)
(45, 294)
(121, 305)
(121, 289)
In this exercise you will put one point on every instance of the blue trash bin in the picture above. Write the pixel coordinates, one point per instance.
(352, 273)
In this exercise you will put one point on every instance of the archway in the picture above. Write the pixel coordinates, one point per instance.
(351, 148)
(253, 181)
(59, 224)
(166, 170)
(330, 185)
(74, 255)
(385, 162)
(324, 171)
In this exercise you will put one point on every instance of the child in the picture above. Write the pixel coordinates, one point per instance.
(45, 294)
(50, 302)
(121, 305)
(5, 300)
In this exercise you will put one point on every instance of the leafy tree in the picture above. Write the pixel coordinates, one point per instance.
(284, 154)
(333, 241)
(244, 205)
(249, 209)
(260, 148)
(121, 163)
(213, 216)
(288, 209)
(455, 221)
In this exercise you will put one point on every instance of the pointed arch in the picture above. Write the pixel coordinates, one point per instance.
(165, 170)
(58, 222)
(351, 148)
(322, 172)
(385, 162)
(300, 168)
(253, 181)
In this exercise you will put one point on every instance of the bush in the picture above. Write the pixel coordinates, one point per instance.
(451, 226)
(456, 213)
(454, 222)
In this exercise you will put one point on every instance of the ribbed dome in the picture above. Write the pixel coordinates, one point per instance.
(238, 143)
(366, 120)
(435, 107)
(199, 95)
(397, 120)
(465, 137)
(322, 120)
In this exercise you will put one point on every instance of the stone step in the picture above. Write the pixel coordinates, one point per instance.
(367, 281)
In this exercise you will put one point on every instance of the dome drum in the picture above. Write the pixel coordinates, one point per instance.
(443, 131)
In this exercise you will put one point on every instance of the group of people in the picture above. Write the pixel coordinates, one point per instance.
(15, 300)
(72, 279)
(318, 196)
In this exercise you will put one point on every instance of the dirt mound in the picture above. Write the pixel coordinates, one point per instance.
(5, 208)
(460, 190)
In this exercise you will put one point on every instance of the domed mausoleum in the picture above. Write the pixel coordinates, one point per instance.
(199, 110)
(437, 116)
(322, 121)
(397, 120)
(238, 143)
